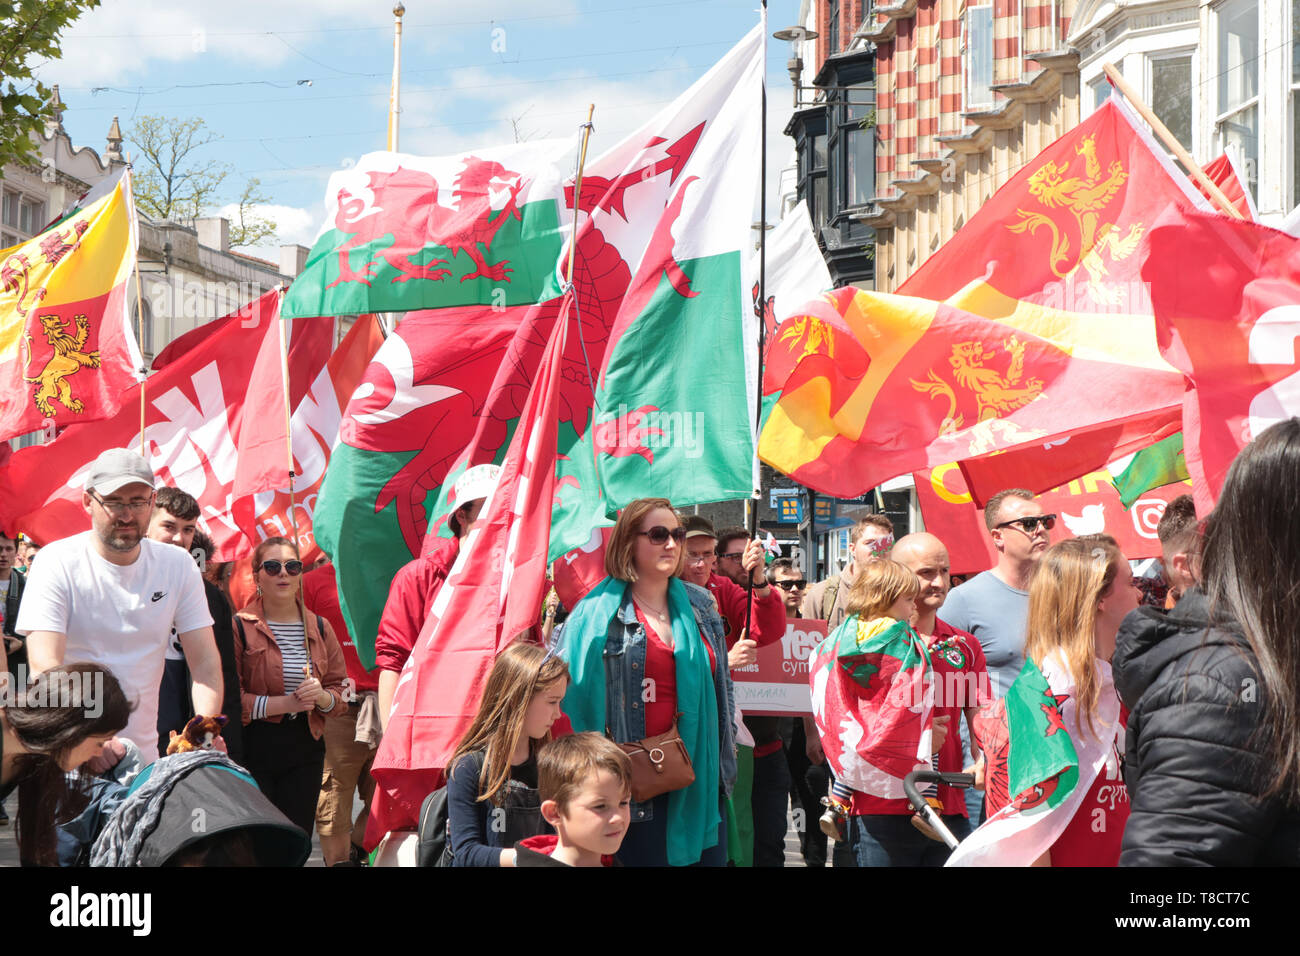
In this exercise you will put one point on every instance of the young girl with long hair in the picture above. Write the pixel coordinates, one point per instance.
(1079, 594)
(492, 800)
(62, 720)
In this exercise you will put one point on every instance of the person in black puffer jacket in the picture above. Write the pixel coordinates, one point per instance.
(1213, 742)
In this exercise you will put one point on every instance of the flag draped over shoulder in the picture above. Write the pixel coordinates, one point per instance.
(492, 596)
(1225, 294)
(873, 702)
(1041, 764)
(67, 353)
(652, 390)
(1029, 327)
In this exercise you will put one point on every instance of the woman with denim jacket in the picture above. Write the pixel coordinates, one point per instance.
(291, 674)
(645, 646)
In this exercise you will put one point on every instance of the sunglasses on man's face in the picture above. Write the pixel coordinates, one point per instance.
(1030, 524)
(273, 568)
(792, 585)
(660, 535)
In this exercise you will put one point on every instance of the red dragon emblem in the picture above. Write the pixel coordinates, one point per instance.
(487, 383)
(472, 223)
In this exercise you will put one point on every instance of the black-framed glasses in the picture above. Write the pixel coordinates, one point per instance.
(273, 568)
(660, 535)
(734, 555)
(1030, 524)
(134, 506)
(791, 585)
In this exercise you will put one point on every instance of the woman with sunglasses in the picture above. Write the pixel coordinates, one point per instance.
(647, 651)
(291, 674)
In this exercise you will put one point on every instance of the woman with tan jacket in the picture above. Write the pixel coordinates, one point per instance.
(291, 675)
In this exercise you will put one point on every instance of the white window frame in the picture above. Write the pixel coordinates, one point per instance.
(967, 105)
(1222, 116)
(1149, 61)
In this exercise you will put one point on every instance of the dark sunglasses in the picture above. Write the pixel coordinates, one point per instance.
(273, 568)
(1030, 525)
(791, 585)
(660, 535)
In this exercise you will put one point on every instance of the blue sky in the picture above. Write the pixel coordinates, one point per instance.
(473, 75)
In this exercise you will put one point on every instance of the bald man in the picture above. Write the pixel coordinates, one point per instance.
(882, 831)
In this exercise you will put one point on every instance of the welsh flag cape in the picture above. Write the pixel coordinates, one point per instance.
(1041, 763)
(873, 702)
(657, 373)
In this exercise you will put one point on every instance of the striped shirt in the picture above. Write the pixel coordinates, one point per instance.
(292, 641)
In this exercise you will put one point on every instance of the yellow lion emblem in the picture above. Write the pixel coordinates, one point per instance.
(67, 360)
(996, 394)
(1085, 197)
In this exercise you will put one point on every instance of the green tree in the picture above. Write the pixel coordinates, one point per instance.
(29, 35)
(172, 180)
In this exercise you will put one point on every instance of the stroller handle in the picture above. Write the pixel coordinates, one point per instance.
(960, 780)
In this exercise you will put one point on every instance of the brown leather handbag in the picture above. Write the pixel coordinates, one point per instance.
(660, 764)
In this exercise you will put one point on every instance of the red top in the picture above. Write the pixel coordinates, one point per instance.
(320, 593)
(1093, 836)
(960, 681)
(767, 620)
(660, 693)
(410, 597)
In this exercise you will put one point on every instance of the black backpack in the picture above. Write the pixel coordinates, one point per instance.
(433, 846)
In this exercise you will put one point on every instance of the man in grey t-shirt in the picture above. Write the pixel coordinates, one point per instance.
(994, 605)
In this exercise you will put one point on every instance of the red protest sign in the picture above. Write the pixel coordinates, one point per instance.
(777, 684)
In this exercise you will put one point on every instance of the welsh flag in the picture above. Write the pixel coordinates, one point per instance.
(873, 700)
(491, 597)
(67, 352)
(654, 371)
(1030, 328)
(1225, 294)
(1041, 764)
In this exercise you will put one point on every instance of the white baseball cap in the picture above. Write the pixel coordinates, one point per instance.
(116, 468)
(477, 482)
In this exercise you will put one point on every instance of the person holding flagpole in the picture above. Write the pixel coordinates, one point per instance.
(647, 653)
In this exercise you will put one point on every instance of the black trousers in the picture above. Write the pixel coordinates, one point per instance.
(287, 763)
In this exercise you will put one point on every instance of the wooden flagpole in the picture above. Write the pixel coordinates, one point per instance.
(288, 428)
(1193, 168)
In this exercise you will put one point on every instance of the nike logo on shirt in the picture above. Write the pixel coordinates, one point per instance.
(158, 596)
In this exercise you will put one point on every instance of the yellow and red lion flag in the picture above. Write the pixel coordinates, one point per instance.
(1030, 327)
(67, 353)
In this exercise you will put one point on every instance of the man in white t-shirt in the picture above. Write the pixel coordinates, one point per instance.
(112, 597)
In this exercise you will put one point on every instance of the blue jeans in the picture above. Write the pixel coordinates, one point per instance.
(891, 840)
(646, 843)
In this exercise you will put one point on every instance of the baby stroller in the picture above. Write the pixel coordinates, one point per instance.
(922, 806)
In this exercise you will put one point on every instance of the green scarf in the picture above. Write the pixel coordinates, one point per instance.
(692, 812)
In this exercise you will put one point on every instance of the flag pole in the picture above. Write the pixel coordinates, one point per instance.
(1180, 153)
(139, 315)
(573, 250)
(395, 94)
(388, 320)
(288, 418)
(751, 506)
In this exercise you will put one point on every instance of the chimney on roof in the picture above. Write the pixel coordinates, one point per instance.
(114, 151)
(214, 233)
(293, 259)
(55, 122)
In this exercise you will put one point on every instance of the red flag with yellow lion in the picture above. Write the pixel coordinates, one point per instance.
(1030, 327)
(66, 349)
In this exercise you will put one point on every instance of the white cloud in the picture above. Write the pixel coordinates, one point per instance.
(293, 225)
